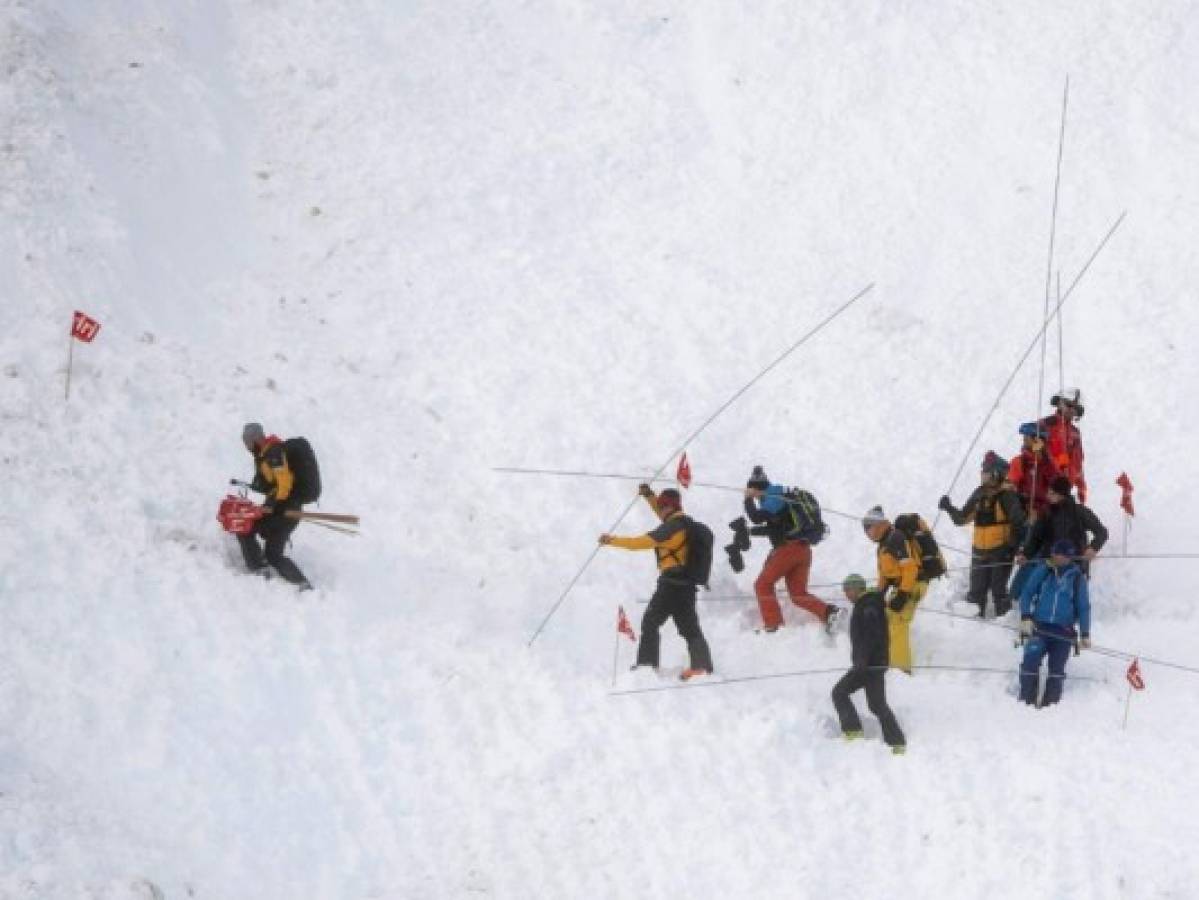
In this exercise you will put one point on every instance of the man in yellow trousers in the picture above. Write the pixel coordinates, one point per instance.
(899, 569)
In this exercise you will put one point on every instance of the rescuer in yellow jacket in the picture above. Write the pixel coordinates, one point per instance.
(899, 570)
(674, 597)
(274, 478)
(998, 517)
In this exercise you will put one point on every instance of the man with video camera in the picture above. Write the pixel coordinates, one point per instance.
(790, 520)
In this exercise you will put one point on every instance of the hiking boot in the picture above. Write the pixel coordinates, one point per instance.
(854, 735)
(692, 674)
(263, 571)
(305, 586)
(635, 666)
(1002, 608)
(899, 749)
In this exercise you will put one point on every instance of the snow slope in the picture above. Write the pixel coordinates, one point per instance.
(441, 237)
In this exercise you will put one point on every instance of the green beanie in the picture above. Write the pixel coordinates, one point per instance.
(853, 582)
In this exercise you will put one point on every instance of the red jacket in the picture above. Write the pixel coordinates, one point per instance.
(1019, 473)
(1064, 444)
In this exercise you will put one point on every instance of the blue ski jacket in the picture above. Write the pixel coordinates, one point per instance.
(1057, 597)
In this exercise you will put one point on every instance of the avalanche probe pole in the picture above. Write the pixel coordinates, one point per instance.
(712, 418)
(1057, 180)
(1032, 345)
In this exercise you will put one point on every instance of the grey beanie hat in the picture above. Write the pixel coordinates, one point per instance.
(873, 516)
(252, 434)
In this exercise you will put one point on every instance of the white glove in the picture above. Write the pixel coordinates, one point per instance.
(1026, 627)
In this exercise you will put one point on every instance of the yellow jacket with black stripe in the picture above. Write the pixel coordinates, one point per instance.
(668, 541)
(898, 561)
(997, 515)
(273, 476)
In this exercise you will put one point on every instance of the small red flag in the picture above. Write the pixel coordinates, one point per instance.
(1125, 493)
(623, 625)
(684, 473)
(84, 327)
(1134, 675)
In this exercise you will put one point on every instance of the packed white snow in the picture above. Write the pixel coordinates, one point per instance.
(439, 237)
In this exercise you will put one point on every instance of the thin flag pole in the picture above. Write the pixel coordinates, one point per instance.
(70, 363)
(615, 654)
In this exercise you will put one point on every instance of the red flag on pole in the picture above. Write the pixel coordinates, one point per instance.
(84, 327)
(684, 473)
(623, 625)
(1134, 675)
(1125, 493)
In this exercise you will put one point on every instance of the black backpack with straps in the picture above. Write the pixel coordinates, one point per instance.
(698, 568)
(806, 522)
(301, 459)
(932, 563)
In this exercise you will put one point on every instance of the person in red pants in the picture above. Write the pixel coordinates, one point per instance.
(790, 519)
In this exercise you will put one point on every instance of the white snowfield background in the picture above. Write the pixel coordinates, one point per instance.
(439, 237)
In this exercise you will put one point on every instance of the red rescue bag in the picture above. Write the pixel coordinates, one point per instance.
(238, 515)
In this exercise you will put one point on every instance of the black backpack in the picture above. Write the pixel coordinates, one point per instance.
(302, 461)
(928, 553)
(698, 568)
(806, 523)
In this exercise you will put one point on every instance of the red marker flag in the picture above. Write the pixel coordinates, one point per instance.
(84, 327)
(684, 473)
(1134, 675)
(623, 625)
(1125, 493)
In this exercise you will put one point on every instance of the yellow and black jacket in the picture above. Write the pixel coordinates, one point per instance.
(997, 515)
(273, 476)
(668, 541)
(898, 562)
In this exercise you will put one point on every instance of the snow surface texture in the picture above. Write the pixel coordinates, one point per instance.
(437, 237)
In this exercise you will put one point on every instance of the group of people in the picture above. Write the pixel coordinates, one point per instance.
(1024, 514)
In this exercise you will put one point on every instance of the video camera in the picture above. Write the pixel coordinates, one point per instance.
(741, 542)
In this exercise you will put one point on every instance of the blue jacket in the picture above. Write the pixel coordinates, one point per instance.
(1057, 597)
(785, 519)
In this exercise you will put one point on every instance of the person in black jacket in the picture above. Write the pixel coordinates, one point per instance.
(1066, 520)
(868, 640)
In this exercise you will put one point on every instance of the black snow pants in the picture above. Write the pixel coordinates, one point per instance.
(275, 530)
(673, 600)
(876, 700)
(989, 574)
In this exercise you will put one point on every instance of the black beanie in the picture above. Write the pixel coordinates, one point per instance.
(758, 479)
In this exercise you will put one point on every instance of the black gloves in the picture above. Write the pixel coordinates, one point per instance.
(645, 490)
(899, 601)
(945, 503)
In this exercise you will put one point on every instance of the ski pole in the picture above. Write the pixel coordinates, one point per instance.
(695, 434)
